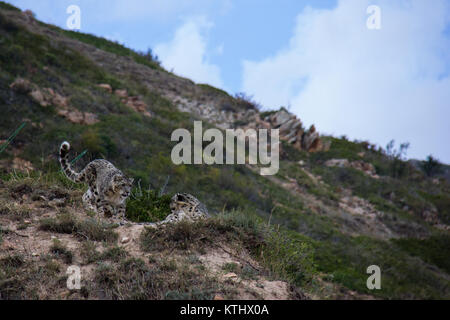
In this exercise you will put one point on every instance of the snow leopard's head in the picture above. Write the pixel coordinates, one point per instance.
(122, 185)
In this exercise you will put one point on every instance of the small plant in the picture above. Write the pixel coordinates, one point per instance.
(230, 267)
(150, 56)
(148, 206)
(397, 157)
(246, 101)
(89, 229)
(431, 166)
(60, 250)
(114, 254)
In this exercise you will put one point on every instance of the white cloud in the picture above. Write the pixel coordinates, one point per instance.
(186, 53)
(367, 84)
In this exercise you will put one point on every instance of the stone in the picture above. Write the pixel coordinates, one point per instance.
(337, 163)
(430, 216)
(22, 165)
(106, 87)
(280, 117)
(288, 126)
(218, 297)
(125, 240)
(76, 116)
(58, 100)
(311, 140)
(136, 104)
(230, 275)
(29, 16)
(21, 85)
(38, 97)
(121, 93)
(90, 118)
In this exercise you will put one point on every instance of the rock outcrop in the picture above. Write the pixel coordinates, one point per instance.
(292, 131)
(76, 116)
(105, 86)
(46, 97)
(222, 113)
(365, 167)
(134, 102)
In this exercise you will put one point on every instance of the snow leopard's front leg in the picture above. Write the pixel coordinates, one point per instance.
(89, 200)
(121, 209)
(104, 208)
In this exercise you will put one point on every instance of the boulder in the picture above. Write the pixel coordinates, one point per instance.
(39, 98)
(311, 140)
(342, 163)
(106, 87)
(29, 16)
(22, 165)
(364, 166)
(280, 117)
(430, 216)
(137, 105)
(58, 100)
(76, 116)
(121, 93)
(21, 86)
(90, 118)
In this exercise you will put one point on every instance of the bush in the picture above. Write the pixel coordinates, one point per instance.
(7, 6)
(89, 229)
(280, 253)
(60, 250)
(398, 165)
(147, 206)
(246, 101)
(431, 166)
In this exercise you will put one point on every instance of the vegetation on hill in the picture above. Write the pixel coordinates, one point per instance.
(315, 226)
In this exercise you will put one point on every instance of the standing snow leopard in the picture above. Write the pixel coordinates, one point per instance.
(108, 188)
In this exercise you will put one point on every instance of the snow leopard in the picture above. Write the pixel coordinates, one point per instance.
(186, 206)
(183, 207)
(108, 187)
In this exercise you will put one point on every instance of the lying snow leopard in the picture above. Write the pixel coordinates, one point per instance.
(186, 206)
(183, 206)
(108, 188)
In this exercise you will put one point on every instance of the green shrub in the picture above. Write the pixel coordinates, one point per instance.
(281, 253)
(7, 6)
(148, 206)
(431, 166)
(89, 229)
(60, 250)
(432, 250)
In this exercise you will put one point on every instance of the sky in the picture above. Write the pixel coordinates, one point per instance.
(318, 58)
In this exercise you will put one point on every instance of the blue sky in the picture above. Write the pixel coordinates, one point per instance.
(317, 57)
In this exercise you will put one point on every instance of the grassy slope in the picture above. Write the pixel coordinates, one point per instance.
(141, 146)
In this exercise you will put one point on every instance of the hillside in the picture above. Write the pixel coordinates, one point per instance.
(309, 232)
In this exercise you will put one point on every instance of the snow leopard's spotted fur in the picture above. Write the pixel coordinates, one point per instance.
(183, 206)
(186, 206)
(108, 188)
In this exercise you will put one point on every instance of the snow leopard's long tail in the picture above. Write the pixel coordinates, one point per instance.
(65, 164)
